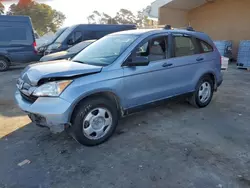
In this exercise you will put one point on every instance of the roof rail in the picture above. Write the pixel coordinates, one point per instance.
(189, 28)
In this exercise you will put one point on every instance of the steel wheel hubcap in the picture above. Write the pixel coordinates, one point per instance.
(97, 123)
(204, 92)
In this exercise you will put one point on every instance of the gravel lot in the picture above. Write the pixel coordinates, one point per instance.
(173, 146)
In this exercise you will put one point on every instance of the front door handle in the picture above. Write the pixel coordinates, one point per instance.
(167, 64)
(200, 59)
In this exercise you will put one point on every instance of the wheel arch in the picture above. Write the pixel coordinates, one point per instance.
(212, 76)
(106, 94)
(5, 57)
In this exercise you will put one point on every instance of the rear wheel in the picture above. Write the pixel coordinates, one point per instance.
(203, 94)
(4, 64)
(94, 121)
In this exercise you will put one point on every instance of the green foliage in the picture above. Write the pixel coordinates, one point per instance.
(1, 9)
(124, 16)
(44, 18)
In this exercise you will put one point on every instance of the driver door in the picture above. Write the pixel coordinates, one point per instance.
(146, 84)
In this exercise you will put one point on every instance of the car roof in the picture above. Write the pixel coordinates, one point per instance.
(152, 31)
(148, 32)
(15, 18)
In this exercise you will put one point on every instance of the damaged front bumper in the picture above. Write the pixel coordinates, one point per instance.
(51, 112)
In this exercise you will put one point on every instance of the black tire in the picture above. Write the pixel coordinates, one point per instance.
(4, 64)
(76, 130)
(195, 99)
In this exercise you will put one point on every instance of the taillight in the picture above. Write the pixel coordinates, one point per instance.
(35, 48)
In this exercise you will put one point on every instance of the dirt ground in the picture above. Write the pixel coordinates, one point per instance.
(172, 146)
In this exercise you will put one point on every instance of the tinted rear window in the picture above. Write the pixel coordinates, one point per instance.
(12, 33)
(15, 34)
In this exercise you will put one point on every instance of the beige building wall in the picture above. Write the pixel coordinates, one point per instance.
(174, 17)
(221, 19)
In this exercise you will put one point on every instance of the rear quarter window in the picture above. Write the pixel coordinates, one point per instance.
(205, 47)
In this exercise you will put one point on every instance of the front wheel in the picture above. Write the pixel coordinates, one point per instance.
(94, 121)
(203, 93)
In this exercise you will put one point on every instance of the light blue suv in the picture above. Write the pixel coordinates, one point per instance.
(118, 75)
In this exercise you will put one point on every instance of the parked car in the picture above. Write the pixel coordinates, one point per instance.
(17, 41)
(43, 47)
(117, 75)
(82, 32)
(70, 53)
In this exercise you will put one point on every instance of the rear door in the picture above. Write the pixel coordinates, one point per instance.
(17, 40)
(185, 61)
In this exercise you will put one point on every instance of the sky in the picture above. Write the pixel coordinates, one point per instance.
(77, 11)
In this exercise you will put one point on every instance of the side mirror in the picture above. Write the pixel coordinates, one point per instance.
(138, 61)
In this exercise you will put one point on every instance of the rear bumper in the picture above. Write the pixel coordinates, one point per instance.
(46, 111)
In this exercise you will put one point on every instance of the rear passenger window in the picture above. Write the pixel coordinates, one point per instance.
(100, 34)
(205, 47)
(89, 35)
(184, 46)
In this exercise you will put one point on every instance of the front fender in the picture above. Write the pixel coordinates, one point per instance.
(93, 84)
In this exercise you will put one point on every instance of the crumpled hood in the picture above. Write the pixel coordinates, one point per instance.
(56, 69)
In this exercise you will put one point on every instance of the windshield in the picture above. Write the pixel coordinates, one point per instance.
(80, 46)
(56, 35)
(106, 50)
(65, 34)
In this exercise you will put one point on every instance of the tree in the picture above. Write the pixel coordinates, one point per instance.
(142, 18)
(1, 8)
(44, 18)
(125, 16)
(100, 18)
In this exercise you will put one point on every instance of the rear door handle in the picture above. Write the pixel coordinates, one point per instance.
(167, 64)
(200, 59)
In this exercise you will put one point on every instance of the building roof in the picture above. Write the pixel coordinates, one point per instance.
(178, 4)
(184, 4)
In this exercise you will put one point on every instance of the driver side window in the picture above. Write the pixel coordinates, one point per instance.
(155, 49)
(75, 38)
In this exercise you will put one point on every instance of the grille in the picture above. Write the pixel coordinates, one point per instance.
(30, 98)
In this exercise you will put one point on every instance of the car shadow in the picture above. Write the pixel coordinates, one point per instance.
(8, 108)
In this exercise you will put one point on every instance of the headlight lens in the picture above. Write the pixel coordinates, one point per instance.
(51, 89)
